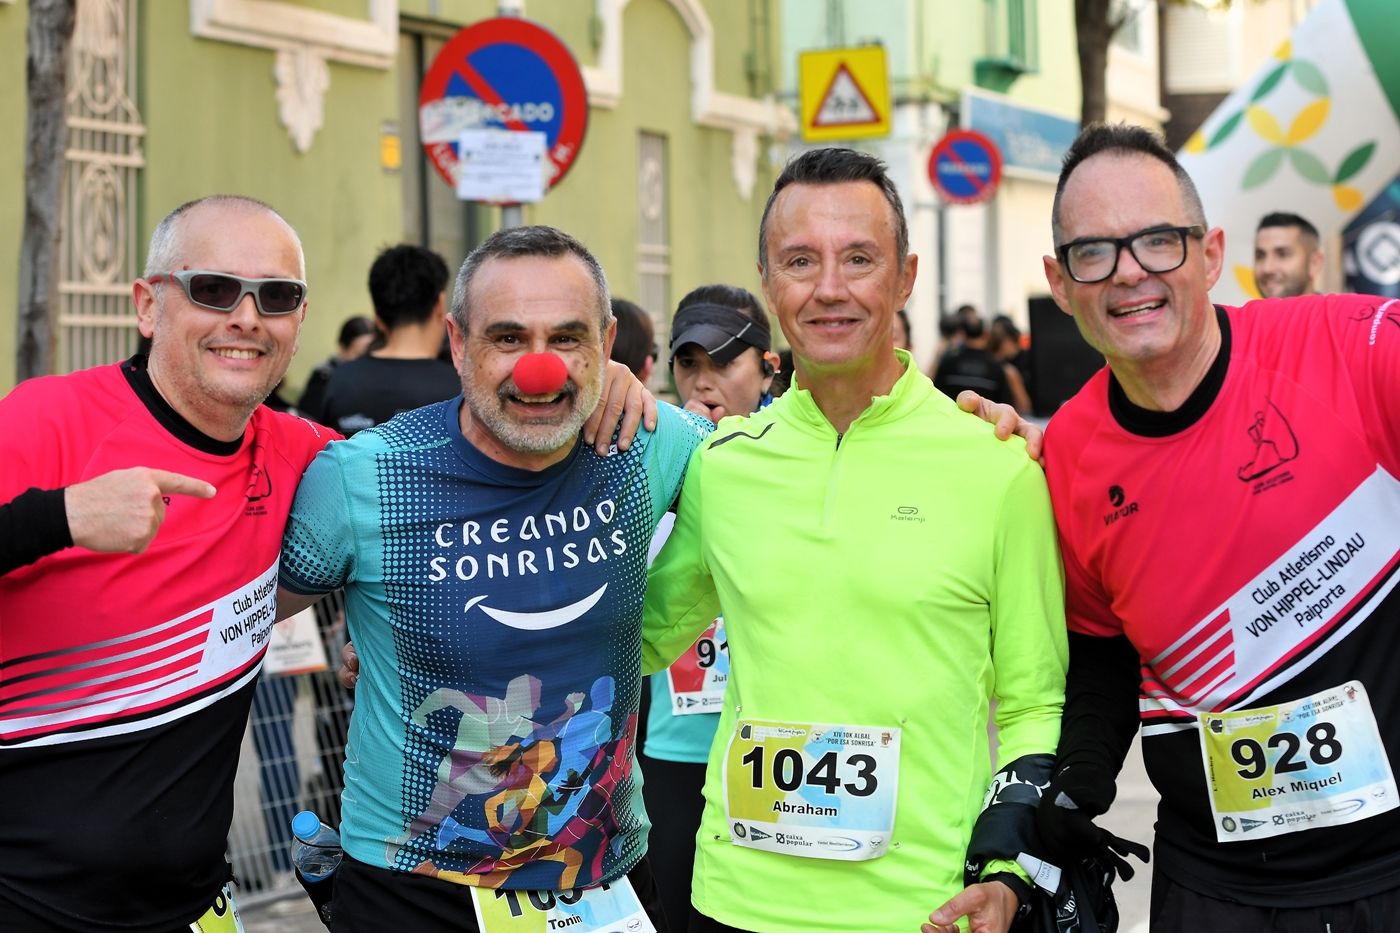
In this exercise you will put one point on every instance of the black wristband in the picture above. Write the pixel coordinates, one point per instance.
(1018, 887)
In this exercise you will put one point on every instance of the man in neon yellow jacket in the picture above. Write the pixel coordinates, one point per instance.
(885, 567)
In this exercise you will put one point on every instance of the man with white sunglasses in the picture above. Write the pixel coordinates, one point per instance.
(128, 658)
(144, 508)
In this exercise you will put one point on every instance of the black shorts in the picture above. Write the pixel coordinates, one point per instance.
(371, 900)
(16, 919)
(1177, 909)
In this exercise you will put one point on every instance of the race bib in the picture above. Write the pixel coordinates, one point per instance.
(816, 790)
(697, 678)
(221, 917)
(612, 907)
(1317, 761)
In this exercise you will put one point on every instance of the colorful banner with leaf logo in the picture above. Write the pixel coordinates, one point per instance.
(1315, 132)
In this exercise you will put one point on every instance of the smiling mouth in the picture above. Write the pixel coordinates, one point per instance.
(536, 402)
(232, 353)
(1142, 307)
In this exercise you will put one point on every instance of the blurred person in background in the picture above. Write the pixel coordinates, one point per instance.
(950, 335)
(354, 339)
(903, 339)
(1009, 345)
(1287, 256)
(971, 364)
(406, 284)
(714, 327)
(635, 346)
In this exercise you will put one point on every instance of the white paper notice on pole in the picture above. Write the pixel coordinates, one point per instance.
(501, 166)
(295, 646)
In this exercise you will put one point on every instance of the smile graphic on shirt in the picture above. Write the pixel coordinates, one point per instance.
(538, 621)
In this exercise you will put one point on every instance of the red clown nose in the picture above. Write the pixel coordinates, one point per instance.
(539, 374)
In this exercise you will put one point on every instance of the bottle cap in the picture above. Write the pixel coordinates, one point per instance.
(305, 824)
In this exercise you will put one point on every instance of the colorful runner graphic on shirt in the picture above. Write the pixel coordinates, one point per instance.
(532, 789)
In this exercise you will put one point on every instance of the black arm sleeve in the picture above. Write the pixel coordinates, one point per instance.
(1006, 826)
(32, 525)
(1101, 704)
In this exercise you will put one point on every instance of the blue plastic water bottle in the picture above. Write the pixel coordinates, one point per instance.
(316, 855)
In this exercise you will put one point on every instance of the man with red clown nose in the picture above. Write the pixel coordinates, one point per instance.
(493, 565)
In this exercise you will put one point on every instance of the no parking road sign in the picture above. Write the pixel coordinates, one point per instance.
(965, 167)
(503, 74)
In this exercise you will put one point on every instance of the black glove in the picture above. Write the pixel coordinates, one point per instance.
(1065, 819)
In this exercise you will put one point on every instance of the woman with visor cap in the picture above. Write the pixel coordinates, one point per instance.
(723, 364)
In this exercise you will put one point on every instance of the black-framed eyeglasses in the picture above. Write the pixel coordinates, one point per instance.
(1156, 249)
(220, 291)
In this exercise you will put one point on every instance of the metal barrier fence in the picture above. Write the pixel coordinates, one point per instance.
(292, 759)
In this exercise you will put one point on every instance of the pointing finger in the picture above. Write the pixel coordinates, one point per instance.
(182, 485)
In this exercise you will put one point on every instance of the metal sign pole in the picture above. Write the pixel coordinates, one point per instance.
(512, 215)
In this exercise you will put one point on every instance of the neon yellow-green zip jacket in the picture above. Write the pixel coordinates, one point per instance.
(900, 575)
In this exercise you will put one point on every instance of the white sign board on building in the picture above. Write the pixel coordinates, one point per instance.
(501, 166)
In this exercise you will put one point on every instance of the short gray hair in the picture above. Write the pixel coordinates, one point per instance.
(519, 242)
(164, 253)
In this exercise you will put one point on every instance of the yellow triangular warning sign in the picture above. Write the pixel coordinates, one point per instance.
(844, 103)
(844, 93)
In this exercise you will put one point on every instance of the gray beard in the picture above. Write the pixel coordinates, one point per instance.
(488, 408)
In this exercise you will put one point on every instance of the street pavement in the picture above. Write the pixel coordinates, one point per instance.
(292, 914)
(1131, 817)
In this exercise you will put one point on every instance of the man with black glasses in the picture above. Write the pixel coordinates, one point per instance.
(136, 607)
(1226, 495)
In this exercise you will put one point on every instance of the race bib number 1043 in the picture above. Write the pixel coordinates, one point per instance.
(816, 790)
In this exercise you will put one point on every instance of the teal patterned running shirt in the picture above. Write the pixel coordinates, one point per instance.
(497, 616)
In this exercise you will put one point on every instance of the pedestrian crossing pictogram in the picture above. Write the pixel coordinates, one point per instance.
(844, 103)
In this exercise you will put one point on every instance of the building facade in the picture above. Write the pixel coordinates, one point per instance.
(1007, 68)
(313, 107)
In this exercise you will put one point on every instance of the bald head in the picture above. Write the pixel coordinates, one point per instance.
(168, 246)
